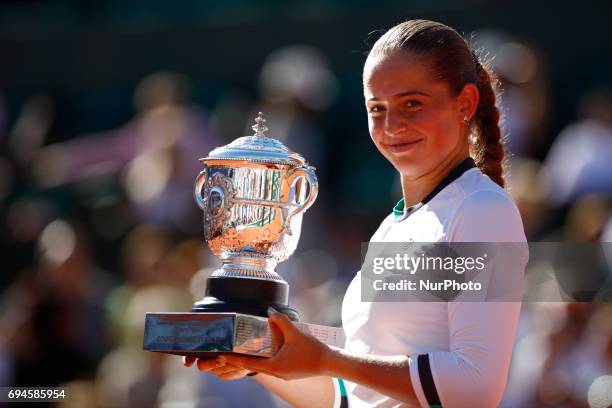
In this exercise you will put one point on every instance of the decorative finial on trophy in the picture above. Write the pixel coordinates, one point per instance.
(260, 127)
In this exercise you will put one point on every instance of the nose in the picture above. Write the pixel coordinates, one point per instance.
(394, 124)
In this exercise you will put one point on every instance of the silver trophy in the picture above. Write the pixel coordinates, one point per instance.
(253, 193)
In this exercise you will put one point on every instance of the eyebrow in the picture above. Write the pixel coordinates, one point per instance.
(405, 93)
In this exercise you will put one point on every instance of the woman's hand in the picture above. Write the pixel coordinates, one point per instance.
(300, 355)
(219, 368)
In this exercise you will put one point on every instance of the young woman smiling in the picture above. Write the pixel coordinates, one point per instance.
(432, 113)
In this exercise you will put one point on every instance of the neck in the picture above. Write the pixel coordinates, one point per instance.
(415, 189)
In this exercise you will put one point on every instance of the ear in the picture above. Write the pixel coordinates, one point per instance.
(468, 101)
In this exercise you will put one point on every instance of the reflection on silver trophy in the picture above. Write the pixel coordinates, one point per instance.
(253, 193)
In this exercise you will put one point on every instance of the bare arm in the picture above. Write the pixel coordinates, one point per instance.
(302, 393)
(389, 375)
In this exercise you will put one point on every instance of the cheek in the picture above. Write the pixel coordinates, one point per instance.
(440, 129)
(376, 129)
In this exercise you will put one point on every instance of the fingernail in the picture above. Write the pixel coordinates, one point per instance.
(272, 311)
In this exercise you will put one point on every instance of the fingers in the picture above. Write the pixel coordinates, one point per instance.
(217, 367)
(282, 322)
(228, 366)
(188, 361)
(212, 364)
(248, 363)
(277, 336)
(227, 370)
(234, 375)
(207, 364)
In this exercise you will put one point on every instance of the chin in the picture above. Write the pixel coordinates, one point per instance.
(411, 170)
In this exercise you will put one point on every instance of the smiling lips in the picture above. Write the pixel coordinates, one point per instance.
(402, 147)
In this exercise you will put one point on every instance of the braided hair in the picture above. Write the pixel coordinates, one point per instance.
(457, 64)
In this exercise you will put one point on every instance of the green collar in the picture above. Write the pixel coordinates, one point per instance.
(398, 210)
(401, 212)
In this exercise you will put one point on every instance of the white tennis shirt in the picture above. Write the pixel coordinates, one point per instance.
(468, 345)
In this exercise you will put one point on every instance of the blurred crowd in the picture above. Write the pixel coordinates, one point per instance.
(98, 229)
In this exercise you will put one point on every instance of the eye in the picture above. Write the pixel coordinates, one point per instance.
(413, 103)
(375, 109)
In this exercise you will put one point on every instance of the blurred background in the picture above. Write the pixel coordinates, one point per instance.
(105, 107)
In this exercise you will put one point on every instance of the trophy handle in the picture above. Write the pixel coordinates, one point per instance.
(199, 183)
(313, 189)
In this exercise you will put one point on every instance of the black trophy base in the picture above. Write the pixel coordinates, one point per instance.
(248, 296)
(213, 305)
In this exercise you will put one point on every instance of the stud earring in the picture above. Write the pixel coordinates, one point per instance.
(465, 118)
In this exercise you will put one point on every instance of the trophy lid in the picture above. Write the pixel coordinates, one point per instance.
(257, 148)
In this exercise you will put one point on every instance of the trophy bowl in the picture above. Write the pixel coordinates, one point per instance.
(253, 193)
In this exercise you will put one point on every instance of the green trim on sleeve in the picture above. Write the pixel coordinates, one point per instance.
(342, 387)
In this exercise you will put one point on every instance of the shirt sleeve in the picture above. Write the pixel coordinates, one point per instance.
(340, 396)
(473, 373)
(336, 384)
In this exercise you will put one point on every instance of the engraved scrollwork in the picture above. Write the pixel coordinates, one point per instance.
(265, 235)
(220, 195)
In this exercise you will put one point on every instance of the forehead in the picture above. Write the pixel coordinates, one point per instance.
(388, 75)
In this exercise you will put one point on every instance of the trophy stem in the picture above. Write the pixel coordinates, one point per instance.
(249, 266)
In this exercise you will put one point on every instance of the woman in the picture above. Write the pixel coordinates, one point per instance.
(432, 114)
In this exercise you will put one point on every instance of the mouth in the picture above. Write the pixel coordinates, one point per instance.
(402, 147)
